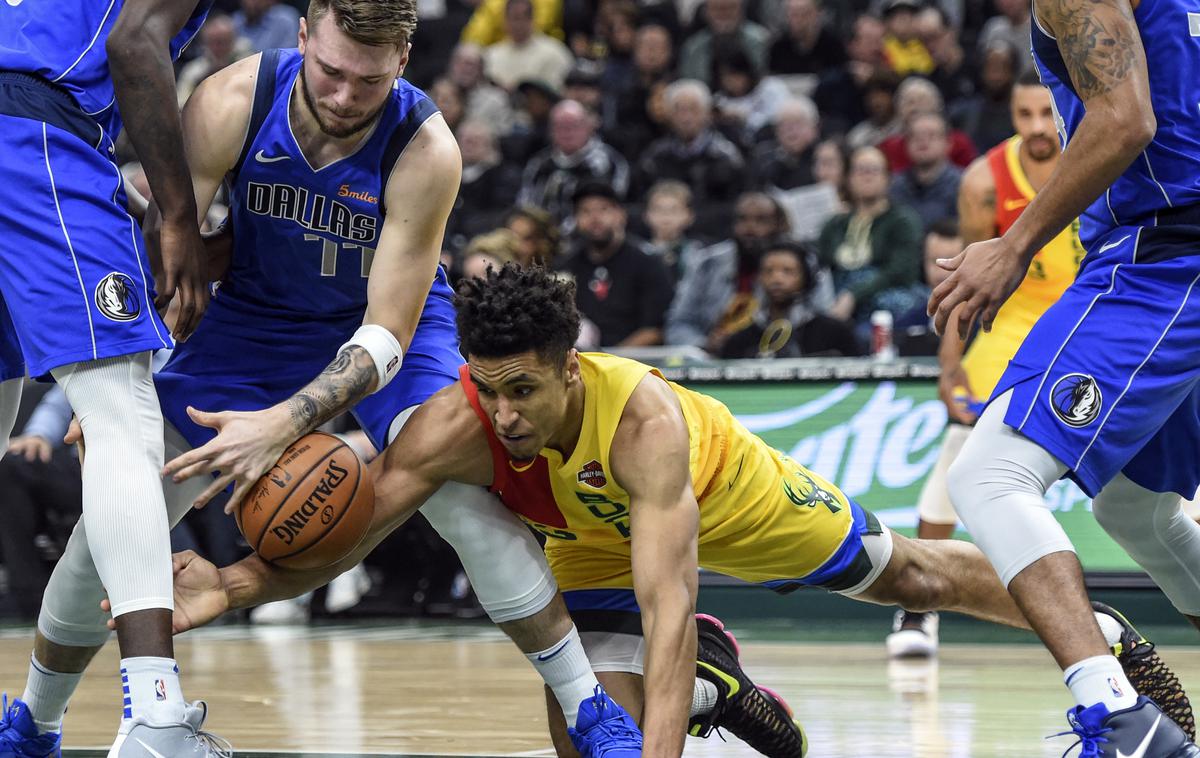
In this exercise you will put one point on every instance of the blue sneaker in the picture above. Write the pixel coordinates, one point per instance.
(1141, 731)
(604, 729)
(19, 737)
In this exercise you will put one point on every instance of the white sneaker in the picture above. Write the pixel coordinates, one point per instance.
(141, 738)
(914, 635)
(294, 611)
(347, 589)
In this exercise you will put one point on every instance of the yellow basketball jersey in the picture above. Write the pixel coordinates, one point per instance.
(1051, 271)
(742, 485)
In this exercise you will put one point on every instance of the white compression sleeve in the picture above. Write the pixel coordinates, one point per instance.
(998, 485)
(123, 509)
(10, 404)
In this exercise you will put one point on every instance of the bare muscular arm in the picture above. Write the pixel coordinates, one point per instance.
(442, 441)
(1103, 52)
(650, 460)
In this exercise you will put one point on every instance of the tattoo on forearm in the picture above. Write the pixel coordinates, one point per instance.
(1098, 50)
(343, 382)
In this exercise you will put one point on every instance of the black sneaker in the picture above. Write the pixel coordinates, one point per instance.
(1148, 674)
(1141, 731)
(755, 715)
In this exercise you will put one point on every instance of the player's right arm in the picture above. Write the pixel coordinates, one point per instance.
(215, 120)
(143, 77)
(442, 441)
(976, 222)
(1102, 49)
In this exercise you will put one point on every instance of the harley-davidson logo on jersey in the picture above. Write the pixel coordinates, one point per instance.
(592, 474)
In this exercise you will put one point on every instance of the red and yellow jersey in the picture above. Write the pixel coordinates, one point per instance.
(744, 487)
(1051, 271)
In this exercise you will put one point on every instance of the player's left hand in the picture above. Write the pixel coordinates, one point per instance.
(248, 443)
(981, 279)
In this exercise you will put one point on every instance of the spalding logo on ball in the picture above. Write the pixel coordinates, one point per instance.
(312, 508)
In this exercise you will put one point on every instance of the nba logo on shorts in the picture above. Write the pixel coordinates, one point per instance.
(160, 689)
(1076, 399)
(116, 298)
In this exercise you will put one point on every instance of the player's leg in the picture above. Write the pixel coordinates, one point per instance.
(915, 633)
(1082, 397)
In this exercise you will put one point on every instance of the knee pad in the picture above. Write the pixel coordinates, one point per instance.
(998, 486)
(503, 560)
(71, 614)
(1156, 532)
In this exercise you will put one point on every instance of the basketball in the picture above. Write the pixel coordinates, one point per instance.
(312, 508)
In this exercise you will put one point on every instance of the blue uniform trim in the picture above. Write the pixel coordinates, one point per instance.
(264, 94)
(848, 565)
(601, 600)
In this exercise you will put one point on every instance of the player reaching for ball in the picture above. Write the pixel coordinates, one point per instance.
(342, 176)
(635, 482)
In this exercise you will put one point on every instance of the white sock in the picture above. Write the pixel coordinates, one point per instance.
(704, 698)
(46, 694)
(152, 689)
(1100, 680)
(565, 669)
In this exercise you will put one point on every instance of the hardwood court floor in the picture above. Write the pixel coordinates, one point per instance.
(463, 690)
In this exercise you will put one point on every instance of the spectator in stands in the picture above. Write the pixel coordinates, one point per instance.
(626, 122)
(266, 24)
(489, 183)
(829, 166)
(982, 116)
(930, 185)
(879, 103)
(786, 161)
(220, 46)
(488, 23)
(746, 101)
(531, 130)
(669, 216)
(915, 96)
(842, 92)
(619, 287)
(1011, 26)
(903, 49)
(952, 71)
(807, 45)
(617, 29)
(536, 236)
(575, 156)
(450, 100)
(583, 85)
(873, 250)
(781, 321)
(725, 27)
(491, 250)
(712, 277)
(694, 153)
(484, 100)
(526, 53)
(913, 330)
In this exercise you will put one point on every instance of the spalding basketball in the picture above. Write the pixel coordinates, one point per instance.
(312, 508)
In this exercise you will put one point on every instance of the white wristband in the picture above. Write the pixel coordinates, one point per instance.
(384, 349)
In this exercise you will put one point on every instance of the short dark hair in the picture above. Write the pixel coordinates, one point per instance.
(516, 310)
(594, 188)
(369, 22)
(946, 228)
(797, 250)
(1029, 79)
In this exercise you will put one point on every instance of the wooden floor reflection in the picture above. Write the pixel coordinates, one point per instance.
(421, 690)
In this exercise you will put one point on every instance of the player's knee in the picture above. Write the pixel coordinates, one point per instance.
(918, 589)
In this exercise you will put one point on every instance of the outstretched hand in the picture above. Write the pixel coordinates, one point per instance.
(981, 278)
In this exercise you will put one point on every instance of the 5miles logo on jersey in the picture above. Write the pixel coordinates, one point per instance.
(116, 298)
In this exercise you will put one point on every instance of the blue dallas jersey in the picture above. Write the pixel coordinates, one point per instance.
(63, 42)
(304, 241)
(1166, 175)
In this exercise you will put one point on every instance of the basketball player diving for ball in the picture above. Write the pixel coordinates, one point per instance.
(636, 482)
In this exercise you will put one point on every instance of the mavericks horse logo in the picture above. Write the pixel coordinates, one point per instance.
(116, 297)
(1076, 399)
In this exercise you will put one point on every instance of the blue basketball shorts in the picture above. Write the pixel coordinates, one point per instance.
(1107, 379)
(75, 282)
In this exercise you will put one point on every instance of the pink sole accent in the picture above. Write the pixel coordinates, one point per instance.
(777, 697)
(737, 649)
